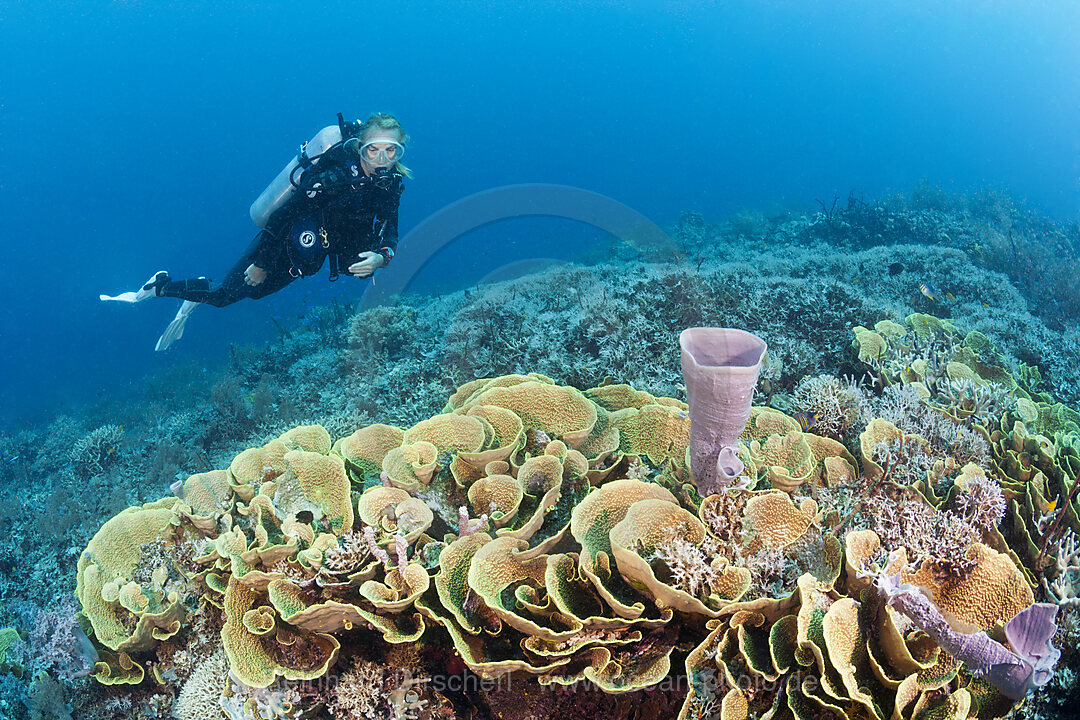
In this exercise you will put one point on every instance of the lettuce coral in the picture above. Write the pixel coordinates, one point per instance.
(594, 558)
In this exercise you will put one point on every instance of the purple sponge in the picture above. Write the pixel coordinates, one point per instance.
(720, 368)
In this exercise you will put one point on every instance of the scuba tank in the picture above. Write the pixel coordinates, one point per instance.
(278, 192)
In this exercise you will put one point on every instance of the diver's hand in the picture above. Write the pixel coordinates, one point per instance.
(369, 263)
(254, 275)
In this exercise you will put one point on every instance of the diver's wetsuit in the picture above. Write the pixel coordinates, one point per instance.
(359, 214)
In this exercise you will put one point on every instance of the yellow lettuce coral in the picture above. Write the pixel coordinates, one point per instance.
(572, 548)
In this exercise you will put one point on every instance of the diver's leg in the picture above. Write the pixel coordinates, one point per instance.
(234, 287)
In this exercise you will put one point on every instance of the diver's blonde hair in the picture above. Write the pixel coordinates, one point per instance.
(385, 121)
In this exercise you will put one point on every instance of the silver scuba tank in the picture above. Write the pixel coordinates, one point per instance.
(278, 192)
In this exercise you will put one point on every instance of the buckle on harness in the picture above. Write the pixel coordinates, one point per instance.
(302, 158)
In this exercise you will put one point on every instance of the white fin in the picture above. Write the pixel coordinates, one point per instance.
(175, 330)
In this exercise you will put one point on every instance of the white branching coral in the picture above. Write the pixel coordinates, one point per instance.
(198, 698)
(926, 533)
(903, 461)
(1065, 588)
(696, 569)
(836, 405)
(366, 691)
(280, 702)
(980, 400)
(902, 406)
(93, 453)
(350, 553)
(982, 503)
(689, 567)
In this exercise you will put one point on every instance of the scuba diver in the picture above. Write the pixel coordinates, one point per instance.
(337, 201)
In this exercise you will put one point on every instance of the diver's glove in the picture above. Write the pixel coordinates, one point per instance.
(151, 288)
(175, 330)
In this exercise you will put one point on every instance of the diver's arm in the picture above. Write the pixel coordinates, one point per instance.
(386, 235)
(266, 247)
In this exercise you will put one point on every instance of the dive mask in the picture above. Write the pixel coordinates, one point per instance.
(382, 151)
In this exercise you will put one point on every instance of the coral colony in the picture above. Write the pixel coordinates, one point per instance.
(539, 534)
(889, 537)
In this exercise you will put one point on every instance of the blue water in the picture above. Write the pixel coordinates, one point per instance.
(134, 135)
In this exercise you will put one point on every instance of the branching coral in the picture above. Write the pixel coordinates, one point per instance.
(928, 535)
(367, 691)
(1065, 588)
(200, 694)
(96, 451)
(834, 406)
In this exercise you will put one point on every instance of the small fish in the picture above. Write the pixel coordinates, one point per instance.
(806, 419)
(952, 298)
(928, 291)
(896, 268)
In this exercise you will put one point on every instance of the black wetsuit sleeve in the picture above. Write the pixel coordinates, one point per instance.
(388, 213)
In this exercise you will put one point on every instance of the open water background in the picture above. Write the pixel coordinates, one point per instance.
(134, 135)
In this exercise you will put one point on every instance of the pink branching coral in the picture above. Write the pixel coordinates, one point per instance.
(401, 549)
(373, 545)
(57, 643)
(469, 527)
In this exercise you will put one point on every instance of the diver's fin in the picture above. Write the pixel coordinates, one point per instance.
(175, 330)
(149, 289)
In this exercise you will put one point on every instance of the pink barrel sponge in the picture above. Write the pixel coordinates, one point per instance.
(720, 368)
